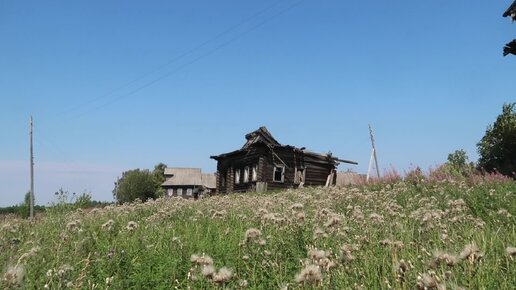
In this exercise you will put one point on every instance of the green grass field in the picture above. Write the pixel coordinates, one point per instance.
(440, 235)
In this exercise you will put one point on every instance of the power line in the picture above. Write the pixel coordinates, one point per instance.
(182, 56)
(208, 53)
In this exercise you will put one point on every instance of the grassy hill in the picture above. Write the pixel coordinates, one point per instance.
(399, 235)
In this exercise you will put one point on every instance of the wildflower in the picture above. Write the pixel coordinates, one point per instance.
(504, 212)
(346, 253)
(427, 281)
(318, 232)
(50, 273)
(511, 251)
(296, 206)
(73, 226)
(218, 214)
(108, 226)
(201, 260)
(401, 268)
(109, 280)
(251, 234)
(208, 271)
(333, 221)
(223, 275)
(471, 252)
(396, 244)
(440, 257)
(14, 275)
(317, 254)
(245, 257)
(243, 283)
(310, 274)
(64, 270)
(262, 242)
(262, 212)
(131, 226)
(376, 217)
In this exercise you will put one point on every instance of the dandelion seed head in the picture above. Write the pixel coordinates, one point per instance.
(201, 260)
(131, 226)
(108, 226)
(251, 234)
(243, 283)
(223, 275)
(315, 254)
(310, 274)
(208, 271)
(333, 221)
(14, 275)
(471, 252)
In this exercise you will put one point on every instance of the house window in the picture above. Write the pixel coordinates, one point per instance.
(246, 174)
(237, 176)
(254, 173)
(188, 192)
(170, 191)
(278, 174)
(299, 176)
(179, 192)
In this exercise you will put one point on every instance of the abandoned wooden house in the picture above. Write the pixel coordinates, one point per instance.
(264, 164)
(188, 182)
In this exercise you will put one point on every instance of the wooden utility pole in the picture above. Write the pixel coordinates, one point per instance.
(373, 155)
(31, 170)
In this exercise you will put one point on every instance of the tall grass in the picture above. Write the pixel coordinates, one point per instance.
(400, 234)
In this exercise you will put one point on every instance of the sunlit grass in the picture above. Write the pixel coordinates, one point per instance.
(399, 235)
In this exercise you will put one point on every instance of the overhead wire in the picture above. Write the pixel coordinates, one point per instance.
(194, 60)
(180, 57)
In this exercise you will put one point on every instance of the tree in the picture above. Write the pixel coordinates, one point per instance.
(159, 177)
(497, 149)
(458, 158)
(24, 207)
(135, 184)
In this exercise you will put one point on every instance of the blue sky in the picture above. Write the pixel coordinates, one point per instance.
(118, 85)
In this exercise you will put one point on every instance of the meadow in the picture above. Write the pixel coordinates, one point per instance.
(399, 234)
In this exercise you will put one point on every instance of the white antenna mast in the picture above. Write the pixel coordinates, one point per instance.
(373, 155)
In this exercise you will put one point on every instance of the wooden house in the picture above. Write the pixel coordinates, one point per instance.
(264, 164)
(188, 182)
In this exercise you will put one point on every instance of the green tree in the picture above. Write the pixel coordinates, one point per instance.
(497, 149)
(24, 207)
(159, 177)
(135, 184)
(458, 158)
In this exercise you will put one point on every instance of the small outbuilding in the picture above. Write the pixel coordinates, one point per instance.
(188, 182)
(265, 164)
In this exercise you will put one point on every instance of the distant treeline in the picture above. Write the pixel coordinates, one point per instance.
(23, 211)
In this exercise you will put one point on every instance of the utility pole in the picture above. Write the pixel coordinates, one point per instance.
(373, 155)
(31, 171)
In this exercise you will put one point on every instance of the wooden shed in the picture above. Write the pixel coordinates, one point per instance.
(264, 164)
(188, 182)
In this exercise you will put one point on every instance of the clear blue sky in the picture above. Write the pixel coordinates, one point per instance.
(117, 85)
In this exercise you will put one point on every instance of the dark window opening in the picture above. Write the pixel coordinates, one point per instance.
(279, 174)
